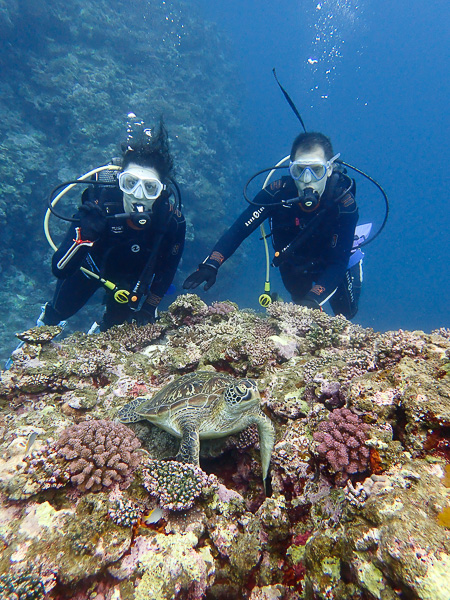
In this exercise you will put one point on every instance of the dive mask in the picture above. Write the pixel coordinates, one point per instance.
(310, 171)
(140, 188)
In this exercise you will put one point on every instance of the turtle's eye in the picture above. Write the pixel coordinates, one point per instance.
(242, 390)
(239, 392)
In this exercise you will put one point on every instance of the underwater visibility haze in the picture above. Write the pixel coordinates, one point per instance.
(372, 76)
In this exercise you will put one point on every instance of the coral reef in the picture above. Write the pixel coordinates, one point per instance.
(359, 493)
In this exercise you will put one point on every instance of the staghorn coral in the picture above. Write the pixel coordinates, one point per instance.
(342, 442)
(176, 484)
(97, 454)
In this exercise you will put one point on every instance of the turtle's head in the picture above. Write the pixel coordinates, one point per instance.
(242, 395)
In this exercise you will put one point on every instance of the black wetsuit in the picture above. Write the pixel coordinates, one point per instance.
(318, 264)
(119, 255)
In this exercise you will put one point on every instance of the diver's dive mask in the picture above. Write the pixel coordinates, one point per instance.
(308, 171)
(141, 187)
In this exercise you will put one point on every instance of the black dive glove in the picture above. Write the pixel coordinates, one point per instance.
(92, 221)
(206, 273)
(310, 303)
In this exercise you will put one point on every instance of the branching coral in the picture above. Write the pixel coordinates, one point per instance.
(175, 484)
(92, 455)
(98, 454)
(392, 346)
(131, 336)
(342, 442)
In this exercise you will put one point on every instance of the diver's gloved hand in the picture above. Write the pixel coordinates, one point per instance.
(310, 303)
(92, 221)
(206, 273)
(146, 315)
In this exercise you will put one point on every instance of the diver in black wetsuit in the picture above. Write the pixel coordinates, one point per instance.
(143, 245)
(313, 217)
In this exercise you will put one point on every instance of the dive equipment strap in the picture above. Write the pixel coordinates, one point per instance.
(140, 291)
(299, 240)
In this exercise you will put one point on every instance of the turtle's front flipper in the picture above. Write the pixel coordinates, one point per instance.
(190, 445)
(266, 432)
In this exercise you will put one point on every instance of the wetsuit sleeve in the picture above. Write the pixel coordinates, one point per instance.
(245, 224)
(168, 259)
(338, 252)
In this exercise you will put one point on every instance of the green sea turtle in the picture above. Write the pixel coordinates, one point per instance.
(204, 405)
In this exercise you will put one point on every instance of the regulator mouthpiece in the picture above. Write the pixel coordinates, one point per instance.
(310, 200)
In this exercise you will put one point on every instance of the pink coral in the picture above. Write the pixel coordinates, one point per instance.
(342, 442)
(97, 454)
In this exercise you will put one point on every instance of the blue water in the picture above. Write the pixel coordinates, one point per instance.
(373, 76)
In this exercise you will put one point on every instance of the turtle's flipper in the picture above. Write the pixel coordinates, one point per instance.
(266, 432)
(128, 414)
(190, 445)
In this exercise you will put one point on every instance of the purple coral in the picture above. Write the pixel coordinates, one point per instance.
(342, 442)
(221, 308)
(176, 484)
(97, 454)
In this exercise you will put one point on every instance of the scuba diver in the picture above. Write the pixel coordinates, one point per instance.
(313, 216)
(128, 230)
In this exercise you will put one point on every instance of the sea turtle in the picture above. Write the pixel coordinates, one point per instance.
(204, 405)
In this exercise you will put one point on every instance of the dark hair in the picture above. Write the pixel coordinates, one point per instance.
(150, 151)
(310, 140)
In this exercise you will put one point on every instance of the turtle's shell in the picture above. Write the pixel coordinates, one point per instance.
(197, 389)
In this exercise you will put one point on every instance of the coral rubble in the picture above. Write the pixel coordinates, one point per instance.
(360, 489)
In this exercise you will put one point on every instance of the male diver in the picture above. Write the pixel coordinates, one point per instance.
(130, 233)
(313, 216)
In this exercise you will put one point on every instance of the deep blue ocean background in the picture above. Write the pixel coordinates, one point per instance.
(380, 90)
(371, 75)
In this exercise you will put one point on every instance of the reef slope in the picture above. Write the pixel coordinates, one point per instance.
(358, 506)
